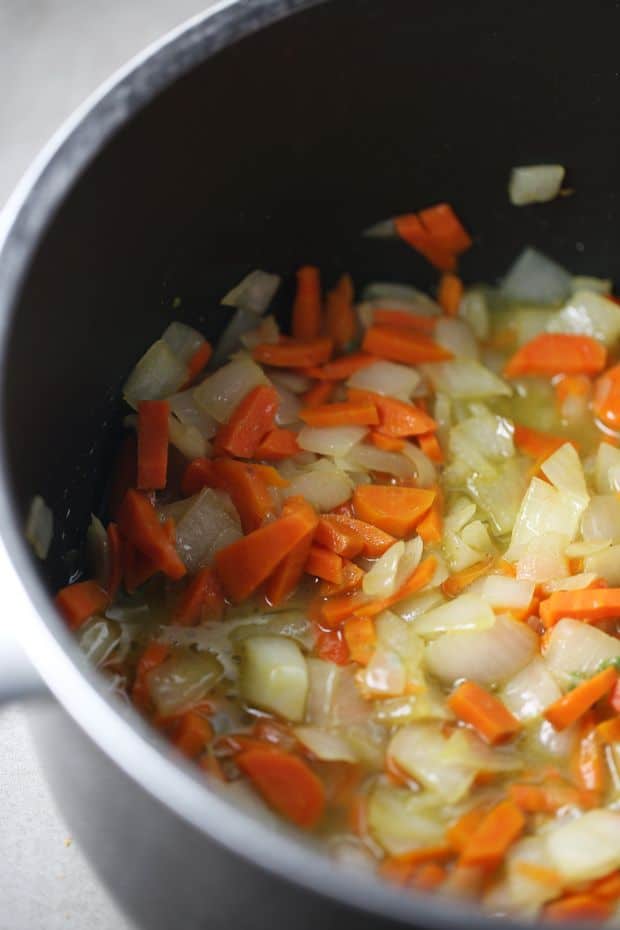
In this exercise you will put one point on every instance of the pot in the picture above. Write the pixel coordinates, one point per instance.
(266, 133)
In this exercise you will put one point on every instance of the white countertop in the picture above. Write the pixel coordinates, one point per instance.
(53, 53)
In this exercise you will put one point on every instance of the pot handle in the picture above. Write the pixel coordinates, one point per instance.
(18, 678)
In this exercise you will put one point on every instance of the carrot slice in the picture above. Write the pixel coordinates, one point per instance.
(417, 580)
(550, 354)
(331, 647)
(193, 734)
(588, 759)
(429, 876)
(352, 577)
(430, 527)
(457, 582)
(458, 835)
(154, 654)
(396, 510)
(402, 345)
(536, 444)
(573, 705)
(250, 422)
(445, 228)
(338, 537)
(115, 549)
(286, 783)
(586, 908)
(287, 575)
(388, 443)
(396, 418)
(331, 612)
(361, 638)
(306, 322)
(606, 401)
(278, 444)
(410, 229)
(340, 319)
(484, 712)
(318, 394)
(449, 293)
(324, 564)
(429, 444)
(293, 354)
(139, 523)
(124, 475)
(375, 540)
(78, 602)
(589, 604)
(197, 475)
(381, 316)
(203, 598)
(198, 361)
(270, 475)
(608, 887)
(152, 444)
(343, 367)
(493, 836)
(348, 413)
(247, 489)
(609, 730)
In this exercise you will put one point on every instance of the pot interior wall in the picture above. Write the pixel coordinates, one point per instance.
(280, 150)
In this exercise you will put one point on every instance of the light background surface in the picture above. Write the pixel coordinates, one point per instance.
(53, 53)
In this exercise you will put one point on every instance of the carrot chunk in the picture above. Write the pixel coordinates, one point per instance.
(387, 443)
(202, 599)
(250, 422)
(339, 538)
(325, 564)
(573, 705)
(352, 577)
(586, 908)
(293, 353)
(278, 444)
(318, 394)
(78, 602)
(550, 354)
(152, 444)
(340, 320)
(484, 712)
(197, 475)
(247, 489)
(348, 413)
(306, 322)
(395, 510)
(361, 638)
(396, 418)
(198, 361)
(286, 783)
(342, 367)
(588, 760)
(536, 444)
(449, 293)
(457, 582)
(154, 654)
(331, 647)
(139, 523)
(398, 344)
(606, 402)
(416, 581)
(115, 548)
(494, 835)
(193, 734)
(589, 604)
(429, 444)
(411, 230)
(375, 540)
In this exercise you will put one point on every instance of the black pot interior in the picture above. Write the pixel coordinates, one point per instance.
(280, 150)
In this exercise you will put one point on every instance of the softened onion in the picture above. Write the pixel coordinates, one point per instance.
(544, 510)
(336, 441)
(588, 314)
(534, 278)
(288, 408)
(183, 340)
(607, 466)
(475, 311)
(466, 612)
(601, 520)
(531, 690)
(291, 380)
(425, 471)
(274, 676)
(384, 229)
(486, 656)
(98, 551)
(387, 378)
(325, 745)
(420, 751)
(501, 591)
(605, 564)
(187, 439)
(209, 523)
(465, 378)
(500, 495)
(322, 685)
(185, 409)
(401, 296)
(323, 485)
(158, 374)
(527, 891)
(385, 675)
(241, 323)
(401, 821)
(39, 526)
(222, 391)
(586, 848)
(543, 559)
(457, 337)
(98, 639)
(565, 472)
(372, 459)
(267, 331)
(578, 648)
(379, 581)
(535, 184)
(417, 604)
(572, 583)
(254, 292)
(183, 680)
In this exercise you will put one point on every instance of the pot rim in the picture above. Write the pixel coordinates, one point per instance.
(120, 732)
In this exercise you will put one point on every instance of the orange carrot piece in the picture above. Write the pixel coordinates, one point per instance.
(608, 887)
(536, 444)
(417, 580)
(270, 475)
(139, 523)
(78, 602)
(203, 598)
(429, 444)
(586, 908)
(346, 413)
(124, 473)
(609, 730)
(411, 230)
(330, 612)
(384, 317)
(361, 638)
(154, 654)
(137, 567)
(197, 475)
(340, 319)
(396, 418)
(458, 835)
(429, 876)
(588, 760)
(307, 306)
(338, 537)
(193, 734)
(395, 510)
(531, 799)
(588, 604)
(449, 293)
(198, 361)
(352, 577)
(330, 646)
(287, 575)
(286, 783)
(375, 540)
(278, 444)
(115, 549)
(550, 354)
(293, 353)
(250, 422)
(445, 228)
(152, 444)
(388, 443)
(573, 705)
(325, 564)
(430, 527)
(497, 831)
(343, 367)
(318, 394)
(247, 489)
(484, 712)
(606, 401)
(402, 345)
(457, 582)
(244, 565)
(572, 386)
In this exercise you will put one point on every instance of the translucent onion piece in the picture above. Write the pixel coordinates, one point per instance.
(572, 583)
(98, 551)
(467, 749)
(486, 656)
(385, 293)
(325, 745)
(409, 561)
(324, 486)
(476, 535)
(587, 283)
(183, 340)
(565, 472)
(185, 409)
(98, 639)
(158, 374)
(464, 377)
(330, 440)
(387, 378)
(187, 439)
(578, 648)
(527, 891)
(289, 407)
(588, 314)
(421, 751)
(474, 310)
(581, 550)
(384, 229)
(500, 496)
(458, 553)
(535, 184)
(543, 559)
(530, 691)
(457, 337)
(380, 580)
(605, 564)
(401, 821)
(290, 380)
(544, 510)
(39, 526)
(372, 459)
(349, 852)
(385, 675)
(601, 520)
(323, 678)
(254, 292)
(274, 676)
(183, 680)
(222, 391)
(586, 848)
(466, 612)
(607, 466)
(267, 331)
(209, 523)
(536, 279)
(501, 591)
(461, 511)
(425, 471)
(417, 604)
(242, 322)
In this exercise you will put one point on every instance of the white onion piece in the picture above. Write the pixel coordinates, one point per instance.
(578, 648)
(464, 378)
(536, 279)
(581, 550)
(184, 341)
(535, 184)
(158, 374)
(530, 691)
(330, 440)
(586, 848)
(459, 554)
(401, 296)
(324, 486)
(572, 583)
(185, 409)
(587, 283)
(98, 551)
(240, 323)
(565, 472)
(384, 229)
(187, 439)
(330, 747)
(420, 603)
(373, 459)
(485, 656)
(527, 892)
(601, 520)
(323, 678)
(500, 496)
(543, 559)
(409, 562)
(476, 535)
(607, 466)
(456, 336)
(420, 751)
(475, 311)
(222, 391)
(605, 564)
(426, 473)
(209, 523)
(379, 581)
(274, 676)
(544, 510)
(461, 512)
(267, 331)
(386, 378)
(349, 852)
(588, 314)
(39, 526)
(401, 821)
(466, 612)
(183, 680)
(385, 675)
(289, 407)
(500, 591)
(254, 292)
(290, 380)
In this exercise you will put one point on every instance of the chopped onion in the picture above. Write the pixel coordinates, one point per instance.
(465, 377)
(184, 341)
(395, 633)
(323, 678)
(544, 510)
(479, 441)
(485, 656)
(500, 496)
(409, 562)
(424, 468)
(587, 283)
(290, 380)
(456, 336)
(98, 551)
(209, 524)
(535, 184)
(274, 676)
(98, 639)
(536, 279)
(385, 675)
(530, 691)
(420, 751)
(588, 314)
(289, 407)
(564, 470)
(459, 554)
(267, 331)
(466, 612)
(323, 485)
(578, 648)
(601, 520)
(417, 604)
(474, 310)
(401, 821)
(187, 439)
(586, 848)
(183, 680)
(185, 409)
(325, 745)
(607, 474)
(158, 374)
(222, 391)
(501, 591)
(528, 891)
(605, 564)
(373, 459)
(241, 322)
(330, 440)
(581, 549)
(572, 583)
(470, 751)
(476, 535)
(543, 559)
(387, 378)
(254, 292)
(401, 296)
(384, 229)
(40, 526)
(380, 580)
(459, 515)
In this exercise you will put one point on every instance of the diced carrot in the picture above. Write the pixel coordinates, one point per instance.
(203, 598)
(606, 402)
(417, 580)
(425, 324)
(429, 444)
(484, 712)
(197, 475)
(286, 783)
(346, 413)
(430, 527)
(330, 612)
(77, 602)
(338, 537)
(152, 444)
(532, 799)
(139, 523)
(278, 444)
(318, 394)
(429, 876)
(307, 306)
(249, 423)
(247, 489)
(398, 344)
(608, 887)
(537, 873)
(115, 550)
(331, 647)
(375, 540)
(609, 730)
(614, 697)
(293, 353)
(343, 367)
(244, 565)
(588, 760)
(589, 604)
(396, 418)
(198, 361)
(494, 835)
(361, 638)
(460, 580)
(139, 568)
(395, 510)
(445, 228)
(124, 474)
(410, 228)
(458, 835)
(287, 575)
(536, 444)
(270, 475)
(573, 705)
(352, 577)
(387, 443)
(586, 908)
(449, 293)
(340, 319)
(572, 386)
(154, 654)
(193, 734)
(325, 564)
(550, 354)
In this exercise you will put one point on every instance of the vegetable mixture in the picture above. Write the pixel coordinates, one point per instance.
(369, 571)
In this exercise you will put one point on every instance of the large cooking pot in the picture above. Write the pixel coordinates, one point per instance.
(265, 134)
